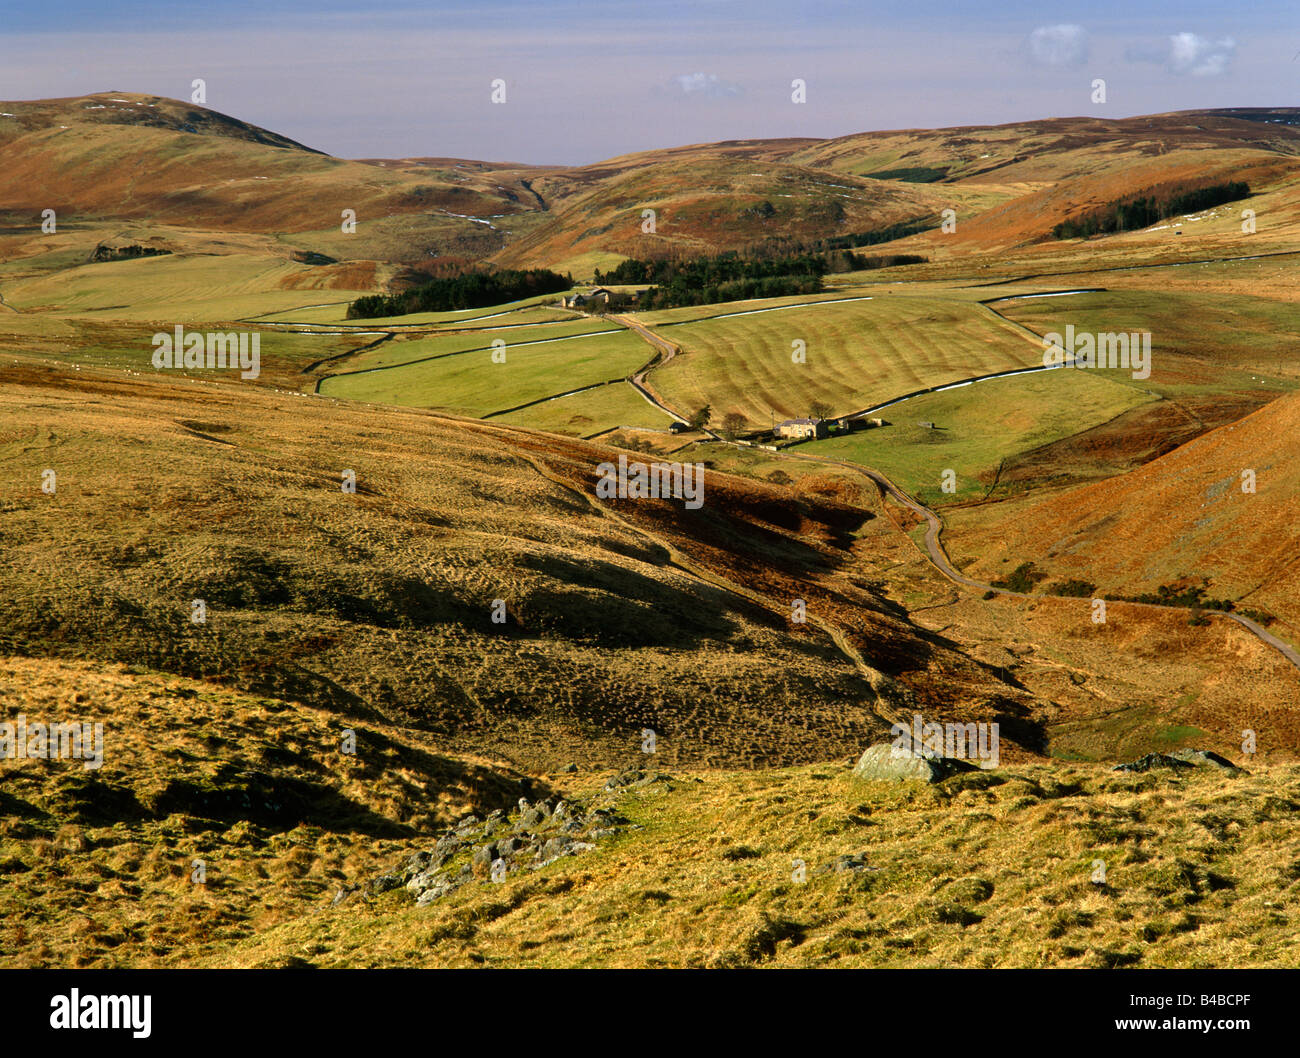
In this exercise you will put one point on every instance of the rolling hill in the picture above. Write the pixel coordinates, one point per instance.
(180, 170)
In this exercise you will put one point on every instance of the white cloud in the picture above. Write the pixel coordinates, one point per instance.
(1191, 54)
(1063, 45)
(706, 84)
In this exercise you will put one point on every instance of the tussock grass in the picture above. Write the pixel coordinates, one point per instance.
(993, 871)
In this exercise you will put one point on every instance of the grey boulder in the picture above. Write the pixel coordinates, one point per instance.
(884, 762)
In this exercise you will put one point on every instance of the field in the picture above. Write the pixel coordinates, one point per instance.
(972, 437)
(1202, 343)
(474, 384)
(859, 354)
(180, 288)
(592, 412)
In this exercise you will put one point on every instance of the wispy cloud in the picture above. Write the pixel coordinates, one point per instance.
(708, 85)
(1188, 55)
(1061, 45)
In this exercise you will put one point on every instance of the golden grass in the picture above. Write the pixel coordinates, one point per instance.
(995, 870)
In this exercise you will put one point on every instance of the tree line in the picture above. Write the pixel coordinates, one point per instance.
(682, 281)
(1133, 213)
(469, 290)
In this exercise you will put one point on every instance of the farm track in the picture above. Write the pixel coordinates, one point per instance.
(934, 549)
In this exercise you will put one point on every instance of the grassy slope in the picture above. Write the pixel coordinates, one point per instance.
(991, 872)
(382, 600)
(95, 865)
(1245, 543)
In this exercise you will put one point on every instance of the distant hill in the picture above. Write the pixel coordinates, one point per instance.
(124, 156)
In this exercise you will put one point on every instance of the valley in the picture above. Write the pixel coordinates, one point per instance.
(394, 533)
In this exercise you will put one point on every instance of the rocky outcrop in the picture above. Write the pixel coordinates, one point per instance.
(1181, 760)
(533, 836)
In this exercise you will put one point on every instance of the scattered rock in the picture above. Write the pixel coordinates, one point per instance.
(1203, 758)
(539, 833)
(635, 777)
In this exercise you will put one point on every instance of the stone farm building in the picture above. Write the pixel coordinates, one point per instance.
(802, 428)
(576, 301)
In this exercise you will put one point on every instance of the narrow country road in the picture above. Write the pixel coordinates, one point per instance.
(638, 381)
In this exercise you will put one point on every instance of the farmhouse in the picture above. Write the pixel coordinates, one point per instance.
(576, 301)
(802, 428)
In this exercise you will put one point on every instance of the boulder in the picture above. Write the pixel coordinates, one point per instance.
(886, 763)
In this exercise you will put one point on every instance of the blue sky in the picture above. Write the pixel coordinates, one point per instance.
(586, 81)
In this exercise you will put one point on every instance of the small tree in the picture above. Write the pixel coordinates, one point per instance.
(732, 424)
(701, 418)
(819, 409)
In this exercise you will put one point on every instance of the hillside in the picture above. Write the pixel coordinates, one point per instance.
(181, 168)
(1244, 544)
(610, 732)
(225, 830)
(380, 603)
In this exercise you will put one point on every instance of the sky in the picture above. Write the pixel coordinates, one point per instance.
(588, 81)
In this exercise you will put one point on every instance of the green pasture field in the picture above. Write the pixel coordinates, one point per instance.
(473, 384)
(976, 426)
(585, 414)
